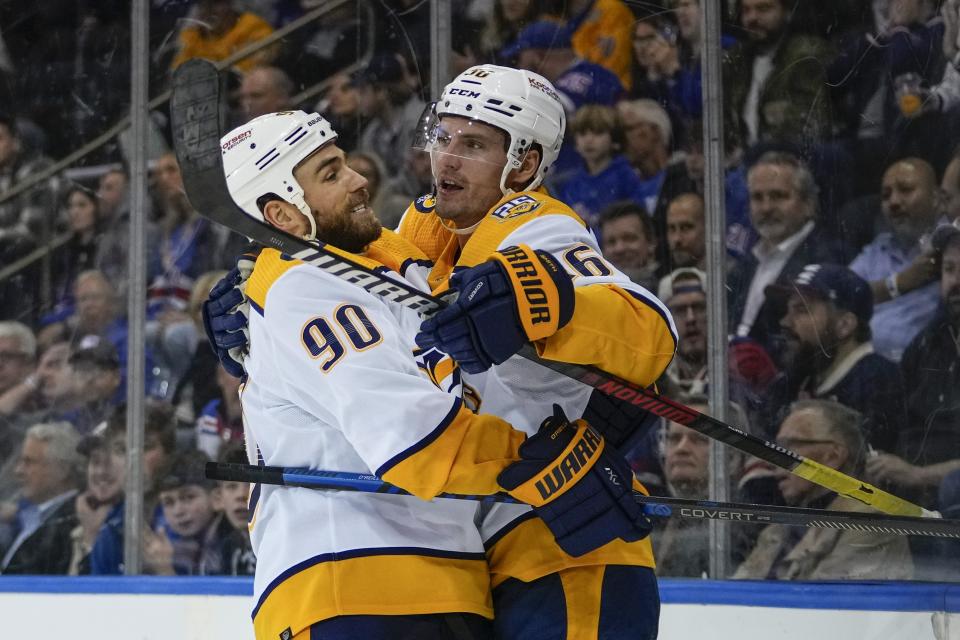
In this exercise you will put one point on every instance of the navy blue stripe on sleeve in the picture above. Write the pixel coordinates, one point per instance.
(423, 443)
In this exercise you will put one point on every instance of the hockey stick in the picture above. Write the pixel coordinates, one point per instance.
(195, 115)
(657, 506)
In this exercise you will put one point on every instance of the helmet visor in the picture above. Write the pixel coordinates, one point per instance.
(464, 138)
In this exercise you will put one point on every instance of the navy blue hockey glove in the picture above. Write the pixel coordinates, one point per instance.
(517, 296)
(581, 489)
(225, 316)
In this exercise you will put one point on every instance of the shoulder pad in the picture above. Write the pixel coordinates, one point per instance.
(270, 265)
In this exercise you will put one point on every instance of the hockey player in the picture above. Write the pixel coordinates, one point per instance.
(333, 382)
(492, 137)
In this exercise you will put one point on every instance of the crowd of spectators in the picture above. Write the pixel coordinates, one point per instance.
(841, 180)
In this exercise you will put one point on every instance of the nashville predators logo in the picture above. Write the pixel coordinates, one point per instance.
(425, 204)
(444, 373)
(436, 365)
(516, 207)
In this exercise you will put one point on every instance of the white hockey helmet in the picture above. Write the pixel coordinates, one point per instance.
(259, 158)
(523, 104)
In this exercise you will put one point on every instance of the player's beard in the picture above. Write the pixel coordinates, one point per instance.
(349, 230)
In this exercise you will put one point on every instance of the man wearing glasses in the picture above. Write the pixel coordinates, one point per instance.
(829, 433)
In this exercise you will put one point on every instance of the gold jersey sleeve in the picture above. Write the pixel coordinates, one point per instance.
(617, 325)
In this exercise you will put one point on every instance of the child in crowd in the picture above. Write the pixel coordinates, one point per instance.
(606, 176)
(190, 541)
(232, 499)
(159, 435)
(106, 452)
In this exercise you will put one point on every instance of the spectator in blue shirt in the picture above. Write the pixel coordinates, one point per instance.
(606, 176)
(98, 313)
(657, 73)
(106, 557)
(899, 264)
(105, 449)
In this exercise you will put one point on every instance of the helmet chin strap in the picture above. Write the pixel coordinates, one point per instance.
(507, 168)
(460, 232)
(312, 234)
(304, 210)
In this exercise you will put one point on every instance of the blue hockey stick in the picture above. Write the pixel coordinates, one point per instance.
(656, 506)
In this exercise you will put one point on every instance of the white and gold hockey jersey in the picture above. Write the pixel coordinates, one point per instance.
(334, 384)
(617, 326)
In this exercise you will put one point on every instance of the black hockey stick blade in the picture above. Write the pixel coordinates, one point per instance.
(195, 114)
(657, 506)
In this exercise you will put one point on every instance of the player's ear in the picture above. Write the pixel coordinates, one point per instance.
(528, 169)
(283, 216)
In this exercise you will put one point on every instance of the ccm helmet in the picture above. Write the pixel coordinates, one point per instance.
(259, 158)
(521, 103)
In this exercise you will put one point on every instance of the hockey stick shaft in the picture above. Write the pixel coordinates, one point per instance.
(657, 506)
(195, 114)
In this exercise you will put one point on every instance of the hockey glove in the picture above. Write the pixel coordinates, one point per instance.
(519, 295)
(225, 316)
(582, 490)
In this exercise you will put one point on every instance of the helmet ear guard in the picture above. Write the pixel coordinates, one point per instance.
(260, 156)
(521, 103)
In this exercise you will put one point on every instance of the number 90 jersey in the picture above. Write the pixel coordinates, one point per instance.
(334, 384)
